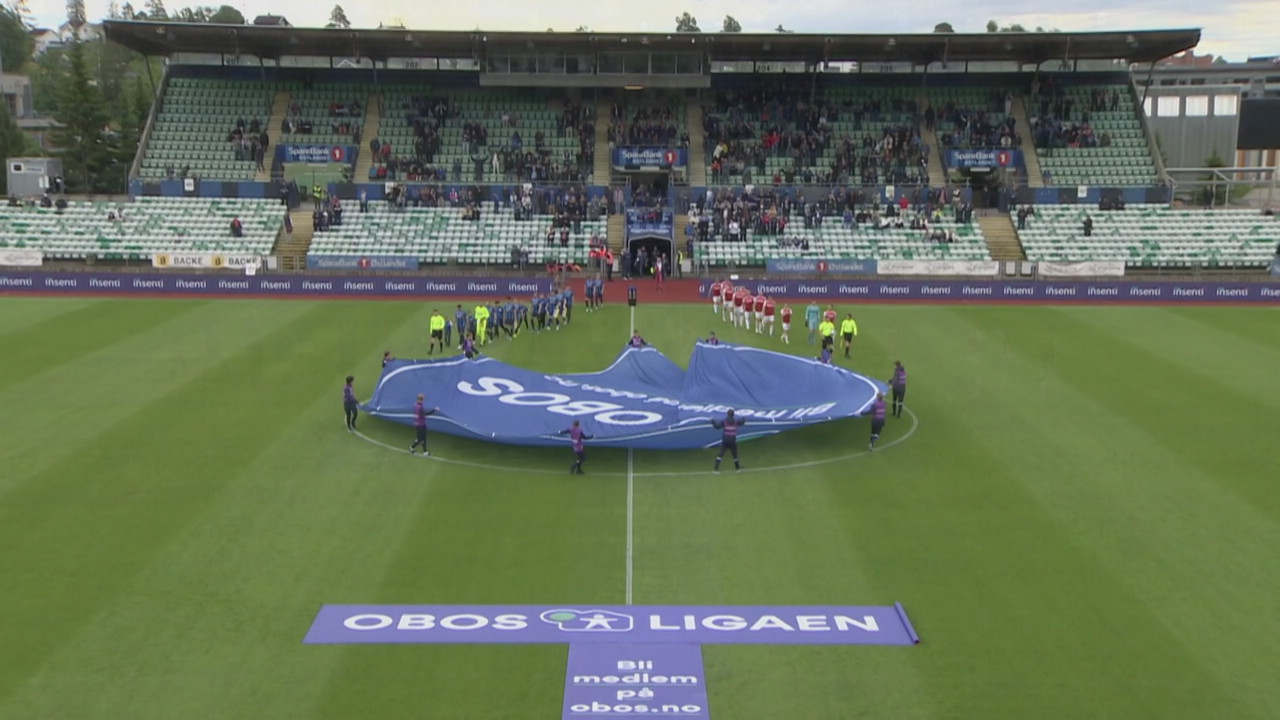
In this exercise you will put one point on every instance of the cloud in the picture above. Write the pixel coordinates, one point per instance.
(1235, 28)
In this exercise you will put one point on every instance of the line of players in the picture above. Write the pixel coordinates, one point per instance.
(488, 322)
(738, 305)
(759, 312)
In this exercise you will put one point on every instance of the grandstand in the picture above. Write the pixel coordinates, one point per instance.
(443, 235)
(1153, 236)
(835, 241)
(753, 140)
(148, 226)
(192, 134)
(475, 127)
(879, 132)
(326, 113)
(1099, 141)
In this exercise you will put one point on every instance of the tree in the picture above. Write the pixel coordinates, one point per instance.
(12, 142)
(156, 11)
(76, 15)
(192, 15)
(227, 15)
(16, 44)
(943, 27)
(22, 9)
(127, 12)
(81, 137)
(687, 23)
(338, 18)
(782, 29)
(582, 28)
(993, 26)
(731, 25)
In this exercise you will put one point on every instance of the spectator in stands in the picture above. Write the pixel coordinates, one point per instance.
(1088, 226)
(1022, 218)
(237, 228)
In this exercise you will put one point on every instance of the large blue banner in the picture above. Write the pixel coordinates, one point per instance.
(989, 159)
(316, 153)
(362, 262)
(804, 266)
(642, 400)
(650, 158)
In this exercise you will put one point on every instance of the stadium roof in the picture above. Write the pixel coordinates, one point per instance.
(272, 42)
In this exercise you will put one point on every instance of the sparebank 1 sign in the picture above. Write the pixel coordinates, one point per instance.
(541, 624)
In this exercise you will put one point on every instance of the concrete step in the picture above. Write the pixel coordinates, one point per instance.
(368, 131)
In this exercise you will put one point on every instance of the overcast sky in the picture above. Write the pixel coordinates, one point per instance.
(1235, 28)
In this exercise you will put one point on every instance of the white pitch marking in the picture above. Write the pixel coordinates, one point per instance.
(631, 495)
(915, 425)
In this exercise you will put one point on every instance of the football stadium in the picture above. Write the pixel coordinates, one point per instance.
(621, 327)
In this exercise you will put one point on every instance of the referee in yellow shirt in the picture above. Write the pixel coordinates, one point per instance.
(482, 324)
(827, 330)
(848, 330)
(437, 332)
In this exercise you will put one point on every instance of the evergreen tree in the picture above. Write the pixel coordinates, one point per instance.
(12, 142)
(338, 18)
(156, 11)
(730, 25)
(76, 15)
(16, 43)
(82, 134)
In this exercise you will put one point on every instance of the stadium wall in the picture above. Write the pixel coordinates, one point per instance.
(347, 287)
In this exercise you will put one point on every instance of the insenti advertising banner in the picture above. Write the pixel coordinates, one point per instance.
(310, 286)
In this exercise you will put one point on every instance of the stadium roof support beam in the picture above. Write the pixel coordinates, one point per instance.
(271, 42)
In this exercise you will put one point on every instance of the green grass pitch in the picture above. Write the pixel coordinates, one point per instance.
(1085, 524)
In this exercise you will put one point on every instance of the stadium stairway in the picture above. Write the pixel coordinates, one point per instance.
(617, 232)
(604, 161)
(368, 131)
(279, 109)
(1035, 178)
(292, 248)
(1002, 237)
(937, 175)
(697, 150)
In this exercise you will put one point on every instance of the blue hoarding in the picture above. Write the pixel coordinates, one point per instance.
(984, 159)
(362, 262)
(805, 266)
(636, 158)
(316, 153)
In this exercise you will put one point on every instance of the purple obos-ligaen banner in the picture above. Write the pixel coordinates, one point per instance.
(259, 285)
(662, 624)
(1016, 291)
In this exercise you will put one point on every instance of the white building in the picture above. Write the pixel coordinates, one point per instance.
(47, 38)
